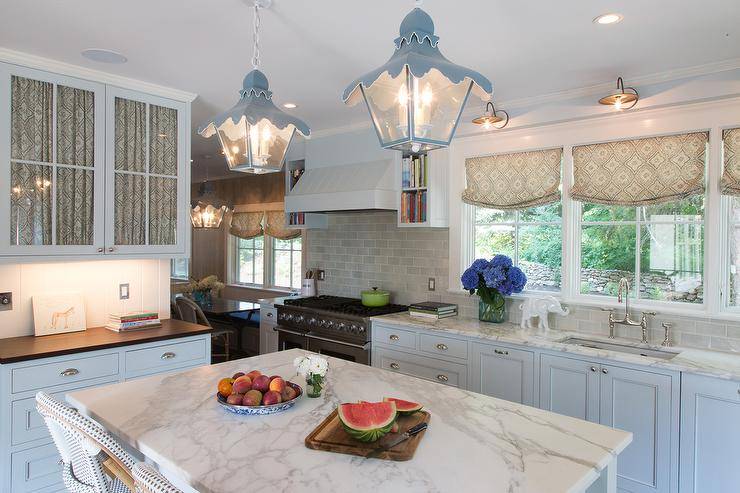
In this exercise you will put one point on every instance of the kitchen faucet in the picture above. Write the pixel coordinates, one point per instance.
(623, 292)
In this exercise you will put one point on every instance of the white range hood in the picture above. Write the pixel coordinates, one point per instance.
(348, 187)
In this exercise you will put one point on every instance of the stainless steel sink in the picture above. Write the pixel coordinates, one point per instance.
(622, 348)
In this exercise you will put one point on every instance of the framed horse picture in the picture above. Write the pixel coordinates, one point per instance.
(58, 313)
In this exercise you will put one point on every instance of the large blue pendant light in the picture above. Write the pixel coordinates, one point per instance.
(255, 134)
(416, 99)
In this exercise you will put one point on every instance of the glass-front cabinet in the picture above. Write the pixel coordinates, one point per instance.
(89, 169)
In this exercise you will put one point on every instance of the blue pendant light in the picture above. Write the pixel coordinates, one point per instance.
(255, 134)
(416, 99)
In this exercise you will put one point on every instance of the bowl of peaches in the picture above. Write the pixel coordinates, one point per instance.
(255, 393)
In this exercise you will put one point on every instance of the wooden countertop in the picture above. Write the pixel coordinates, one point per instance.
(25, 348)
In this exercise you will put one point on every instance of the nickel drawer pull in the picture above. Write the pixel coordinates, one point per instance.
(442, 347)
(168, 355)
(394, 337)
(593, 368)
(269, 314)
(604, 371)
(69, 372)
(442, 378)
(500, 351)
(395, 366)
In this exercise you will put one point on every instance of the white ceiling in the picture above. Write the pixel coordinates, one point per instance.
(312, 49)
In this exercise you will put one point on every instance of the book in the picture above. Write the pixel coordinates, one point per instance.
(135, 324)
(433, 316)
(132, 327)
(133, 316)
(433, 305)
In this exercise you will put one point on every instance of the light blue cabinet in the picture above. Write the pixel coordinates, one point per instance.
(642, 402)
(28, 458)
(503, 372)
(710, 435)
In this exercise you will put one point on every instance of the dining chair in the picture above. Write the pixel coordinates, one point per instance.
(92, 460)
(191, 312)
(149, 480)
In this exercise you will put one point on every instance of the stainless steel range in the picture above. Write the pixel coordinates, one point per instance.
(330, 325)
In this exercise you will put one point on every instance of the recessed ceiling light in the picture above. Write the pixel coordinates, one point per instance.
(611, 18)
(103, 56)
(290, 106)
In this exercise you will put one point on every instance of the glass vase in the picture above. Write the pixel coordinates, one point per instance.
(314, 385)
(493, 310)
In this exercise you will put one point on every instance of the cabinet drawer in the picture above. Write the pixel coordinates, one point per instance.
(64, 372)
(36, 468)
(443, 346)
(439, 371)
(393, 336)
(161, 358)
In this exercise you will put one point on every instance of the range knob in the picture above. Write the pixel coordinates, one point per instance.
(354, 329)
(299, 318)
(312, 321)
(288, 316)
(330, 323)
(341, 326)
(362, 329)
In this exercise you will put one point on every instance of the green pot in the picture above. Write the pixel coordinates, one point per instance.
(375, 297)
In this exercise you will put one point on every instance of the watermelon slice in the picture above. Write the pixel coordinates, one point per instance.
(367, 421)
(403, 407)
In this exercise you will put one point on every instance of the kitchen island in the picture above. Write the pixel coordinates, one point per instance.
(474, 442)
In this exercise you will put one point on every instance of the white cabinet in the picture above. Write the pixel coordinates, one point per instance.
(503, 372)
(268, 336)
(642, 402)
(710, 435)
(90, 170)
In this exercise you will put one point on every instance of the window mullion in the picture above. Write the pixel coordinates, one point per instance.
(638, 253)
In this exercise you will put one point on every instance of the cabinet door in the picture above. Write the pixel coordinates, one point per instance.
(570, 387)
(641, 402)
(710, 434)
(502, 372)
(147, 174)
(52, 131)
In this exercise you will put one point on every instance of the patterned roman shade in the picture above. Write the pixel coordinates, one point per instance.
(246, 225)
(640, 172)
(513, 181)
(730, 183)
(275, 226)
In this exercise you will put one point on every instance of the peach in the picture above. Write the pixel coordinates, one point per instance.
(235, 399)
(261, 383)
(242, 384)
(271, 398)
(225, 387)
(252, 398)
(254, 374)
(277, 384)
(238, 374)
(288, 393)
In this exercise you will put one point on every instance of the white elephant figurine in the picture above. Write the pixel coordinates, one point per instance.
(540, 307)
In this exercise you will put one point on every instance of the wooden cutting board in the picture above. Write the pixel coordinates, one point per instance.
(331, 437)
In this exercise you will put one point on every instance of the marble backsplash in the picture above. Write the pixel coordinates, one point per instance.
(361, 250)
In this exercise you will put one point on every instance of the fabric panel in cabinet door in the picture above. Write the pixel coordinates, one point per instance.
(31, 119)
(130, 135)
(30, 204)
(130, 206)
(162, 140)
(162, 210)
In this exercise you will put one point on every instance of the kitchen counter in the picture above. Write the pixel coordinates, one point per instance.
(474, 442)
(699, 361)
(26, 348)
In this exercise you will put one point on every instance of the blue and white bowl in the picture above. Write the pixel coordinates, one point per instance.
(261, 410)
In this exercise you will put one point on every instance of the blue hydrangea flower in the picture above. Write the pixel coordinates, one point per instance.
(494, 276)
(501, 261)
(470, 279)
(518, 279)
(480, 265)
(506, 287)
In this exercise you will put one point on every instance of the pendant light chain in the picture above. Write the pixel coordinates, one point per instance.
(256, 36)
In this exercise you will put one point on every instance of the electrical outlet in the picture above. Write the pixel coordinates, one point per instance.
(320, 275)
(432, 284)
(6, 301)
(123, 291)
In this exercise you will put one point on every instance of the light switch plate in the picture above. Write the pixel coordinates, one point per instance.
(123, 292)
(320, 275)
(432, 284)
(6, 301)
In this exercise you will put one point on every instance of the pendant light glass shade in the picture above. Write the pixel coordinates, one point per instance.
(255, 134)
(207, 211)
(415, 100)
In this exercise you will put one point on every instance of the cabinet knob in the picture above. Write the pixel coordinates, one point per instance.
(394, 337)
(69, 372)
(593, 369)
(111, 249)
(269, 315)
(604, 371)
(442, 347)
(101, 250)
(442, 378)
(395, 366)
(168, 355)
(500, 351)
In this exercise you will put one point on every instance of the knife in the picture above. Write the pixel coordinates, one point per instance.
(414, 430)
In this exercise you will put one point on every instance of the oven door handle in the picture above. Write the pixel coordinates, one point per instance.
(326, 339)
(280, 329)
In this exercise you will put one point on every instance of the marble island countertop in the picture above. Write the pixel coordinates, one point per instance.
(474, 442)
(699, 361)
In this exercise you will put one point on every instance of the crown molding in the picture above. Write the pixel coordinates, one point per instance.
(41, 63)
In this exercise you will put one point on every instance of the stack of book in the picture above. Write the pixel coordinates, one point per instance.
(431, 309)
(414, 206)
(414, 171)
(125, 322)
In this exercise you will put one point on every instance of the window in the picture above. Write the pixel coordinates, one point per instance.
(531, 237)
(179, 268)
(268, 262)
(658, 248)
(733, 239)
